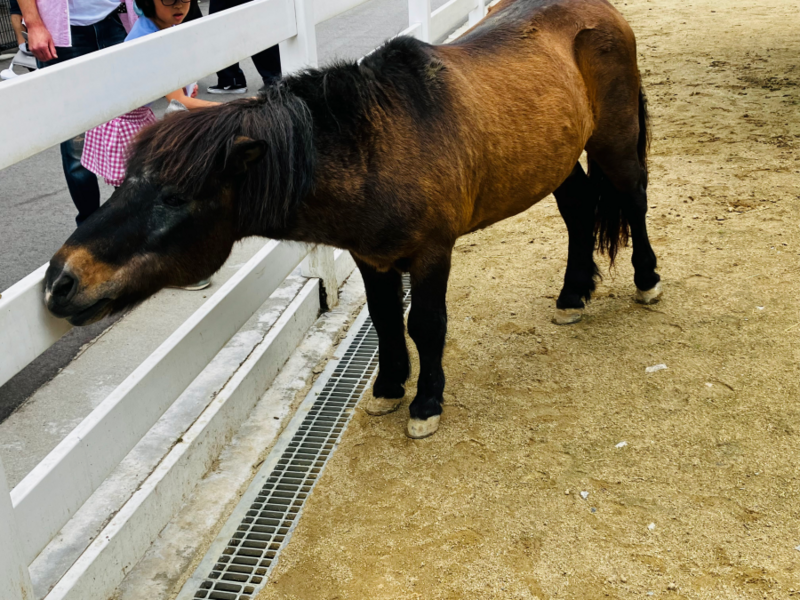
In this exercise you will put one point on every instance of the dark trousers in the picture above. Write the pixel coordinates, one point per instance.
(267, 62)
(82, 183)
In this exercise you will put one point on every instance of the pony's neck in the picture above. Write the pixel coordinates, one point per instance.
(272, 189)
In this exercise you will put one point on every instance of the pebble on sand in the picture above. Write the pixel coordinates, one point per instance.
(584, 495)
(652, 526)
(655, 368)
(621, 445)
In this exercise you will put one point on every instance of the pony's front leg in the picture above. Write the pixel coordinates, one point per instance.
(427, 326)
(577, 201)
(385, 302)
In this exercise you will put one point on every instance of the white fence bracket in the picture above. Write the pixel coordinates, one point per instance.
(300, 51)
(320, 263)
(15, 581)
(419, 11)
(477, 14)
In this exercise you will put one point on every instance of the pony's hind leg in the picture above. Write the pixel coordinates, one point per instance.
(577, 200)
(385, 302)
(427, 326)
(623, 199)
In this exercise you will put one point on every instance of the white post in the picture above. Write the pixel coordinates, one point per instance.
(419, 11)
(300, 52)
(477, 13)
(320, 263)
(15, 581)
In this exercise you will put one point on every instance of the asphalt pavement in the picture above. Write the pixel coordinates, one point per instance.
(38, 214)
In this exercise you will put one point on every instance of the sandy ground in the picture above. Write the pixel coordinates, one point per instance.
(704, 500)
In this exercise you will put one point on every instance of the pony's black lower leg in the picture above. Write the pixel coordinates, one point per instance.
(577, 201)
(634, 207)
(427, 326)
(624, 188)
(385, 302)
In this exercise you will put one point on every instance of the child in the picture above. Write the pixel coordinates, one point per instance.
(105, 147)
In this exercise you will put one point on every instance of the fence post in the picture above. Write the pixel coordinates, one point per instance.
(419, 11)
(300, 52)
(15, 581)
(320, 263)
(477, 13)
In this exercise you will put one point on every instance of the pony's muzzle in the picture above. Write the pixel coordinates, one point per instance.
(64, 287)
(60, 288)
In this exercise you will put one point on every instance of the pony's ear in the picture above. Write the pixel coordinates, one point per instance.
(243, 153)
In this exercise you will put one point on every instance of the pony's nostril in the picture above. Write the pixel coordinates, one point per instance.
(64, 287)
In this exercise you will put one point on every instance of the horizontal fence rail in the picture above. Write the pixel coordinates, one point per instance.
(26, 326)
(50, 494)
(55, 104)
(44, 108)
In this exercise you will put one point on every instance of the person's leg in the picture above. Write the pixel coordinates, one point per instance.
(268, 64)
(18, 27)
(230, 79)
(16, 23)
(82, 183)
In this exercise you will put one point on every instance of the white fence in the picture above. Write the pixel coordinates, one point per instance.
(40, 110)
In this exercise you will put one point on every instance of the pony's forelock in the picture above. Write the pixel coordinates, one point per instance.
(187, 149)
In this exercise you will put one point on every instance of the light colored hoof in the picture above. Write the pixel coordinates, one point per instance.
(565, 316)
(381, 406)
(419, 428)
(649, 296)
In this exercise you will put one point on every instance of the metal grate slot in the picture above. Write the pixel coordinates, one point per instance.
(245, 563)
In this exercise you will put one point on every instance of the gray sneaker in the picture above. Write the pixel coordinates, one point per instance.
(234, 88)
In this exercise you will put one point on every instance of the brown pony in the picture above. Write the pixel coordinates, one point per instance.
(393, 159)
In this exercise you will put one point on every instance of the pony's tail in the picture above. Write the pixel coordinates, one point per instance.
(643, 145)
(611, 228)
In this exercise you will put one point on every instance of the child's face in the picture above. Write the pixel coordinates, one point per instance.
(167, 16)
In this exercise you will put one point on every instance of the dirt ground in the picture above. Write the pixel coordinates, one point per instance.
(704, 500)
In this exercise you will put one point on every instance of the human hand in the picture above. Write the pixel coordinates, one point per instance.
(40, 43)
(194, 91)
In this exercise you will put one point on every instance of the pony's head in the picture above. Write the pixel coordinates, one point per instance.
(196, 183)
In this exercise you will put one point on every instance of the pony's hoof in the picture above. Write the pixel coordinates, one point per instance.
(565, 316)
(422, 428)
(649, 296)
(381, 406)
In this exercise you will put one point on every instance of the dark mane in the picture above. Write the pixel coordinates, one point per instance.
(336, 105)
(404, 74)
(187, 148)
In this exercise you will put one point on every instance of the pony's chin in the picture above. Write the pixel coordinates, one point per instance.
(90, 315)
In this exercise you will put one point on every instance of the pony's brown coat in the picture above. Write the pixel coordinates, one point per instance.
(563, 78)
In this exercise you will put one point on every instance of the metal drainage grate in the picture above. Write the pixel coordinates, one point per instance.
(251, 553)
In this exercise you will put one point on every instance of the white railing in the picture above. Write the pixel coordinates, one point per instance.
(40, 110)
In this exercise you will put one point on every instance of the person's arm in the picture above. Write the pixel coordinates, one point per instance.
(190, 103)
(40, 42)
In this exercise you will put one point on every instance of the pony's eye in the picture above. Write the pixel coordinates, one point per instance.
(173, 200)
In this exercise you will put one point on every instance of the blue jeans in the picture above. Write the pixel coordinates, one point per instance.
(82, 184)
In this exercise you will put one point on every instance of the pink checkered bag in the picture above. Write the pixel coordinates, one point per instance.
(105, 149)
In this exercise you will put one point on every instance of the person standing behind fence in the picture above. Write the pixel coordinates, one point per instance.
(231, 80)
(59, 30)
(106, 146)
